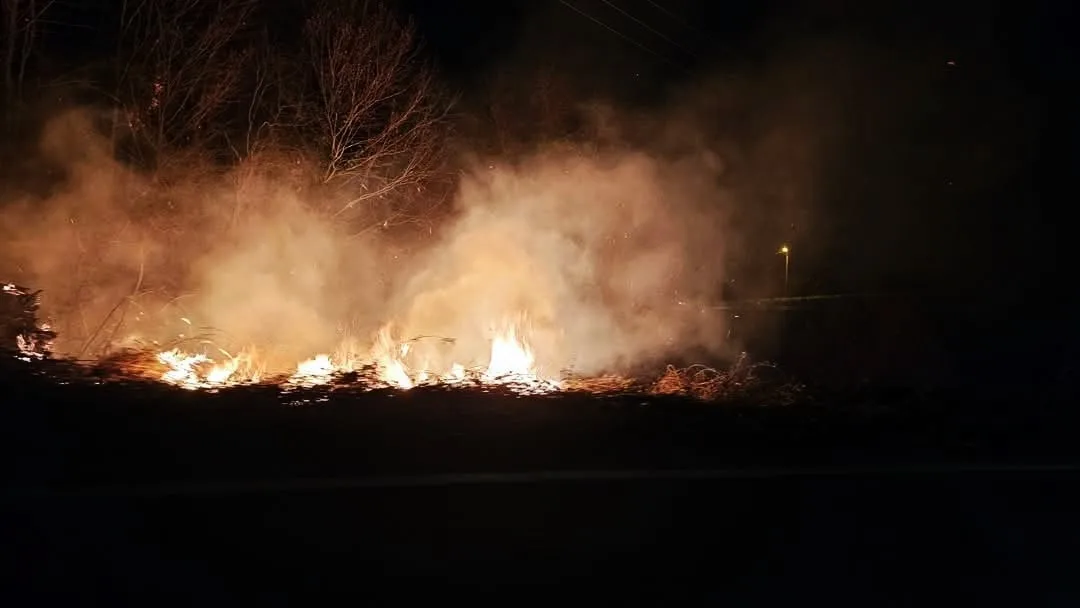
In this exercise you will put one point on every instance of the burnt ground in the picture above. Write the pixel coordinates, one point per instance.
(865, 490)
(70, 431)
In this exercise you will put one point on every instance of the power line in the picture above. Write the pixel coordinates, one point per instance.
(621, 35)
(650, 28)
(672, 15)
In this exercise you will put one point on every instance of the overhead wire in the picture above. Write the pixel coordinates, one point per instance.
(648, 27)
(678, 19)
(625, 37)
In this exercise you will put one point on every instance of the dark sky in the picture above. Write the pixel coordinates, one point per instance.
(926, 148)
(938, 161)
(682, 36)
(630, 37)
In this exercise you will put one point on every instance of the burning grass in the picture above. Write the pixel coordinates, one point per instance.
(198, 364)
(173, 368)
(743, 381)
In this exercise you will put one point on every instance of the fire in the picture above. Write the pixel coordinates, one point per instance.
(510, 362)
(509, 358)
(405, 364)
(320, 369)
(197, 370)
(388, 357)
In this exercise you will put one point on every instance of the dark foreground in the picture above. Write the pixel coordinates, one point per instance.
(917, 539)
(127, 493)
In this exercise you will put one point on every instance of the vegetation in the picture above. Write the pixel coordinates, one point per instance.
(345, 95)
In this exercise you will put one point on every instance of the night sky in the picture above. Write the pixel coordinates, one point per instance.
(628, 42)
(949, 117)
(953, 135)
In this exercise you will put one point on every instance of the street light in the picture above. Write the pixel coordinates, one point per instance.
(786, 252)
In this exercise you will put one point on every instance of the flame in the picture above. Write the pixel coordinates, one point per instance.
(319, 369)
(510, 362)
(388, 359)
(456, 374)
(510, 358)
(199, 371)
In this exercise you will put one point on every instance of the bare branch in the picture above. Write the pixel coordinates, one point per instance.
(184, 63)
(378, 110)
(22, 20)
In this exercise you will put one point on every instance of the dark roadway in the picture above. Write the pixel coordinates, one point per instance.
(128, 494)
(972, 539)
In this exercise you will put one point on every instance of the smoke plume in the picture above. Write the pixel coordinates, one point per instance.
(608, 257)
(602, 258)
(605, 252)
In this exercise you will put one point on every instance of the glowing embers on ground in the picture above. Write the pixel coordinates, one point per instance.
(511, 362)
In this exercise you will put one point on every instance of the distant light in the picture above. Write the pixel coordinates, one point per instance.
(784, 249)
(950, 63)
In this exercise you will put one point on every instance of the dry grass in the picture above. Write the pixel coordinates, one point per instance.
(696, 381)
(700, 382)
(607, 384)
(129, 363)
(142, 361)
(710, 384)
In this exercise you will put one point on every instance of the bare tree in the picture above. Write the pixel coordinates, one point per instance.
(278, 108)
(11, 9)
(377, 110)
(181, 63)
(21, 21)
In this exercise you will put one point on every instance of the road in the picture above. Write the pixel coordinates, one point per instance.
(905, 539)
(127, 494)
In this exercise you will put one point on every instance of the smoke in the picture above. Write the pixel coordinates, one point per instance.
(235, 259)
(604, 254)
(603, 258)
(288, 282)
(80, 242)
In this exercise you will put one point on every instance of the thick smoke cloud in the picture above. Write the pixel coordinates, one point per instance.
(609, 256)
(606, 253)
(603, 259)
(233, 260)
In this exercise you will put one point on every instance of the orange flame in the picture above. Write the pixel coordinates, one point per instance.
(197, 370)
(510, 361)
